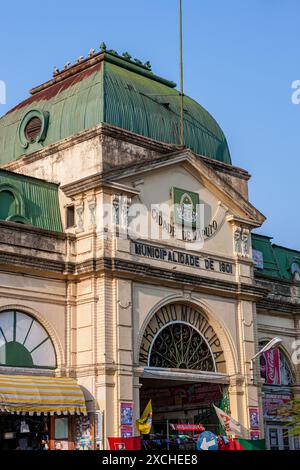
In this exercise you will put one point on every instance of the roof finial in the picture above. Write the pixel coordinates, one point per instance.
(103, 47)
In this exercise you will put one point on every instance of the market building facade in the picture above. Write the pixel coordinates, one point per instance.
(127, 270)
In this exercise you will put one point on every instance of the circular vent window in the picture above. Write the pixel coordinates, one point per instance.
(33, 129)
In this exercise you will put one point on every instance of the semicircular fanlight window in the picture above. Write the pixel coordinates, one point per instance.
(180, 346)
(24, 342)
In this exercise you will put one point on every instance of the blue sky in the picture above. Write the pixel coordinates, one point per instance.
(240, 58)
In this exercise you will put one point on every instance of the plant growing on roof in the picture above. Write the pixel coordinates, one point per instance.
(126, 55)
(112, 51)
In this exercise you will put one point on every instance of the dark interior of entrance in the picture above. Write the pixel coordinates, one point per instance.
(19, 432)
(177, 402)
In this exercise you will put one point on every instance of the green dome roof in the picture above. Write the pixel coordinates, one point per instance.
(111, 89)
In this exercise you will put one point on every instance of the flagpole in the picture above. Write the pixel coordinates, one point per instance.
(181, 77)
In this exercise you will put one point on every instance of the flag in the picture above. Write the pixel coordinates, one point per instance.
(144, 424)
(230, 425)
(124, 443)
(257, 444)
(241, 444)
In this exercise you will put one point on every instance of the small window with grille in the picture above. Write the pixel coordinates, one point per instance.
(70, 216)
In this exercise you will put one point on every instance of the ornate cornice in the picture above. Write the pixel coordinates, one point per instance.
(140, 271)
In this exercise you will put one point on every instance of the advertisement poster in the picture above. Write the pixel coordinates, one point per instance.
(126, 419)
(254, 418)
(254, 435)
(126, 431)
(274, 404)
(126, 414)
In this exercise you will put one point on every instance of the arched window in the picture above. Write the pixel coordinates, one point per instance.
(11, 205)
(275, 368)
(8, 205)
(181, 346)
(24, 342)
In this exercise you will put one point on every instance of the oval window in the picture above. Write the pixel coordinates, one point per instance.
(33, 129)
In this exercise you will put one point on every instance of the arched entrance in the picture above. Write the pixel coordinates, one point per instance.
(184, 375)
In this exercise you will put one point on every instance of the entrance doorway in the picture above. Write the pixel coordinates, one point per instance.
(279, 438)
(178, 403)
(19, 432)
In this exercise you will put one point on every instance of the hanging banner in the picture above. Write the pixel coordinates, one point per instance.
(254, 418)
(124, 443)
(272, 364)
(126, 411)
(126, 414)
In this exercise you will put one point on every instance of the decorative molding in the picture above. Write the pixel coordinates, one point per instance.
(124, 307)
(79, 207)
(96, 181)
(241, 241)
(92, 211)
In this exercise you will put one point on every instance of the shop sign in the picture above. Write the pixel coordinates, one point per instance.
(187, 427)
(180, 257)
(273, 404)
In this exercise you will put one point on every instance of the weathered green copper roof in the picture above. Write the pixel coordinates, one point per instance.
(285, 257)
(37, 200)
(112, 90)
(277, 259)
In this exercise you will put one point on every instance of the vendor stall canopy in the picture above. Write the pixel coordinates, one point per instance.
(23, 394)
(108, 88)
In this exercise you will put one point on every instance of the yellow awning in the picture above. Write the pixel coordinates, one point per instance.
(33, 394)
